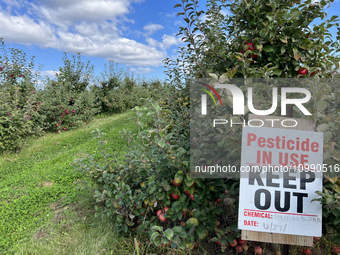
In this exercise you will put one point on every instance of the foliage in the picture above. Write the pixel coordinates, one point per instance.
(19, 116)
(257, 39)
(137, 185)
(66, 101)
(115, 92)
(281, 35)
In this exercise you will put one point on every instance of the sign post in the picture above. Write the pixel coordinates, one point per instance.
(282, 169)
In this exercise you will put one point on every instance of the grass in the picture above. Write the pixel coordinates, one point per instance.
(44, 206)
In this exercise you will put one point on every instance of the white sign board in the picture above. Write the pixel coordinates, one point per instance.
(280, 171)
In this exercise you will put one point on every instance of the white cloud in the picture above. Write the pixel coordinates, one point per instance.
(142, 70)
(169, 40)
(152, 42)
(178, 23)
(49, 73)
(65, 12)
(22, 29)
(89, 27)
(151, 28)
(11, 3)
(170, 15)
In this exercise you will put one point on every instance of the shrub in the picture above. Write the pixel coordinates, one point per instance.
(261, 40)
(19, 109)
(116, 92)
(67, 101)
(154, 176)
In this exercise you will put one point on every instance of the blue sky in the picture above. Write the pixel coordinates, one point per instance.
(137, 34)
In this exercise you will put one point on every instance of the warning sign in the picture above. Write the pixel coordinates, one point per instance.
(280, 171)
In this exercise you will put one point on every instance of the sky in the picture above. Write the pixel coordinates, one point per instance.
(137, 34)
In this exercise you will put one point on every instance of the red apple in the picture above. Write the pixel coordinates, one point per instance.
(166, 208)
(306, 251)
(312, 73)
(162, 218)
(159, 212)
(258, 250)
(184, 213)
(174, 196)
(187, 192)
(316, 239)
(217, 223)
(218, 242)
(195, 246)
(226, 192)
(336, 249)
(241, 242)
(176, 183)
(234, 243)
(302, 71)
(1, 68)
(251, 47)
(239, 249)
(192, 197)
(183, 223)
(218, 200)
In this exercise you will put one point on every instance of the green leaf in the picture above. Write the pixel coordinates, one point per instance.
(177, 5)
(161, 143)
(215, 239)
(158, 228)
(177, 206)
(192, 222)
(268, 48)
(202, 232)
(323, 127)
(169, 234)
(182, 245)
(177, 230)
(284, 40)
(161, 133)
(152, 189)
(230, 239)
(158, 241)
(336, 212)
(166, 187)
(168, 136)
(336, 239)
(295, 14)
(336, 221)
(169, 212)
(283, 50)
(154, 236)
(329, 200)
(321, 105)
(188, 181)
